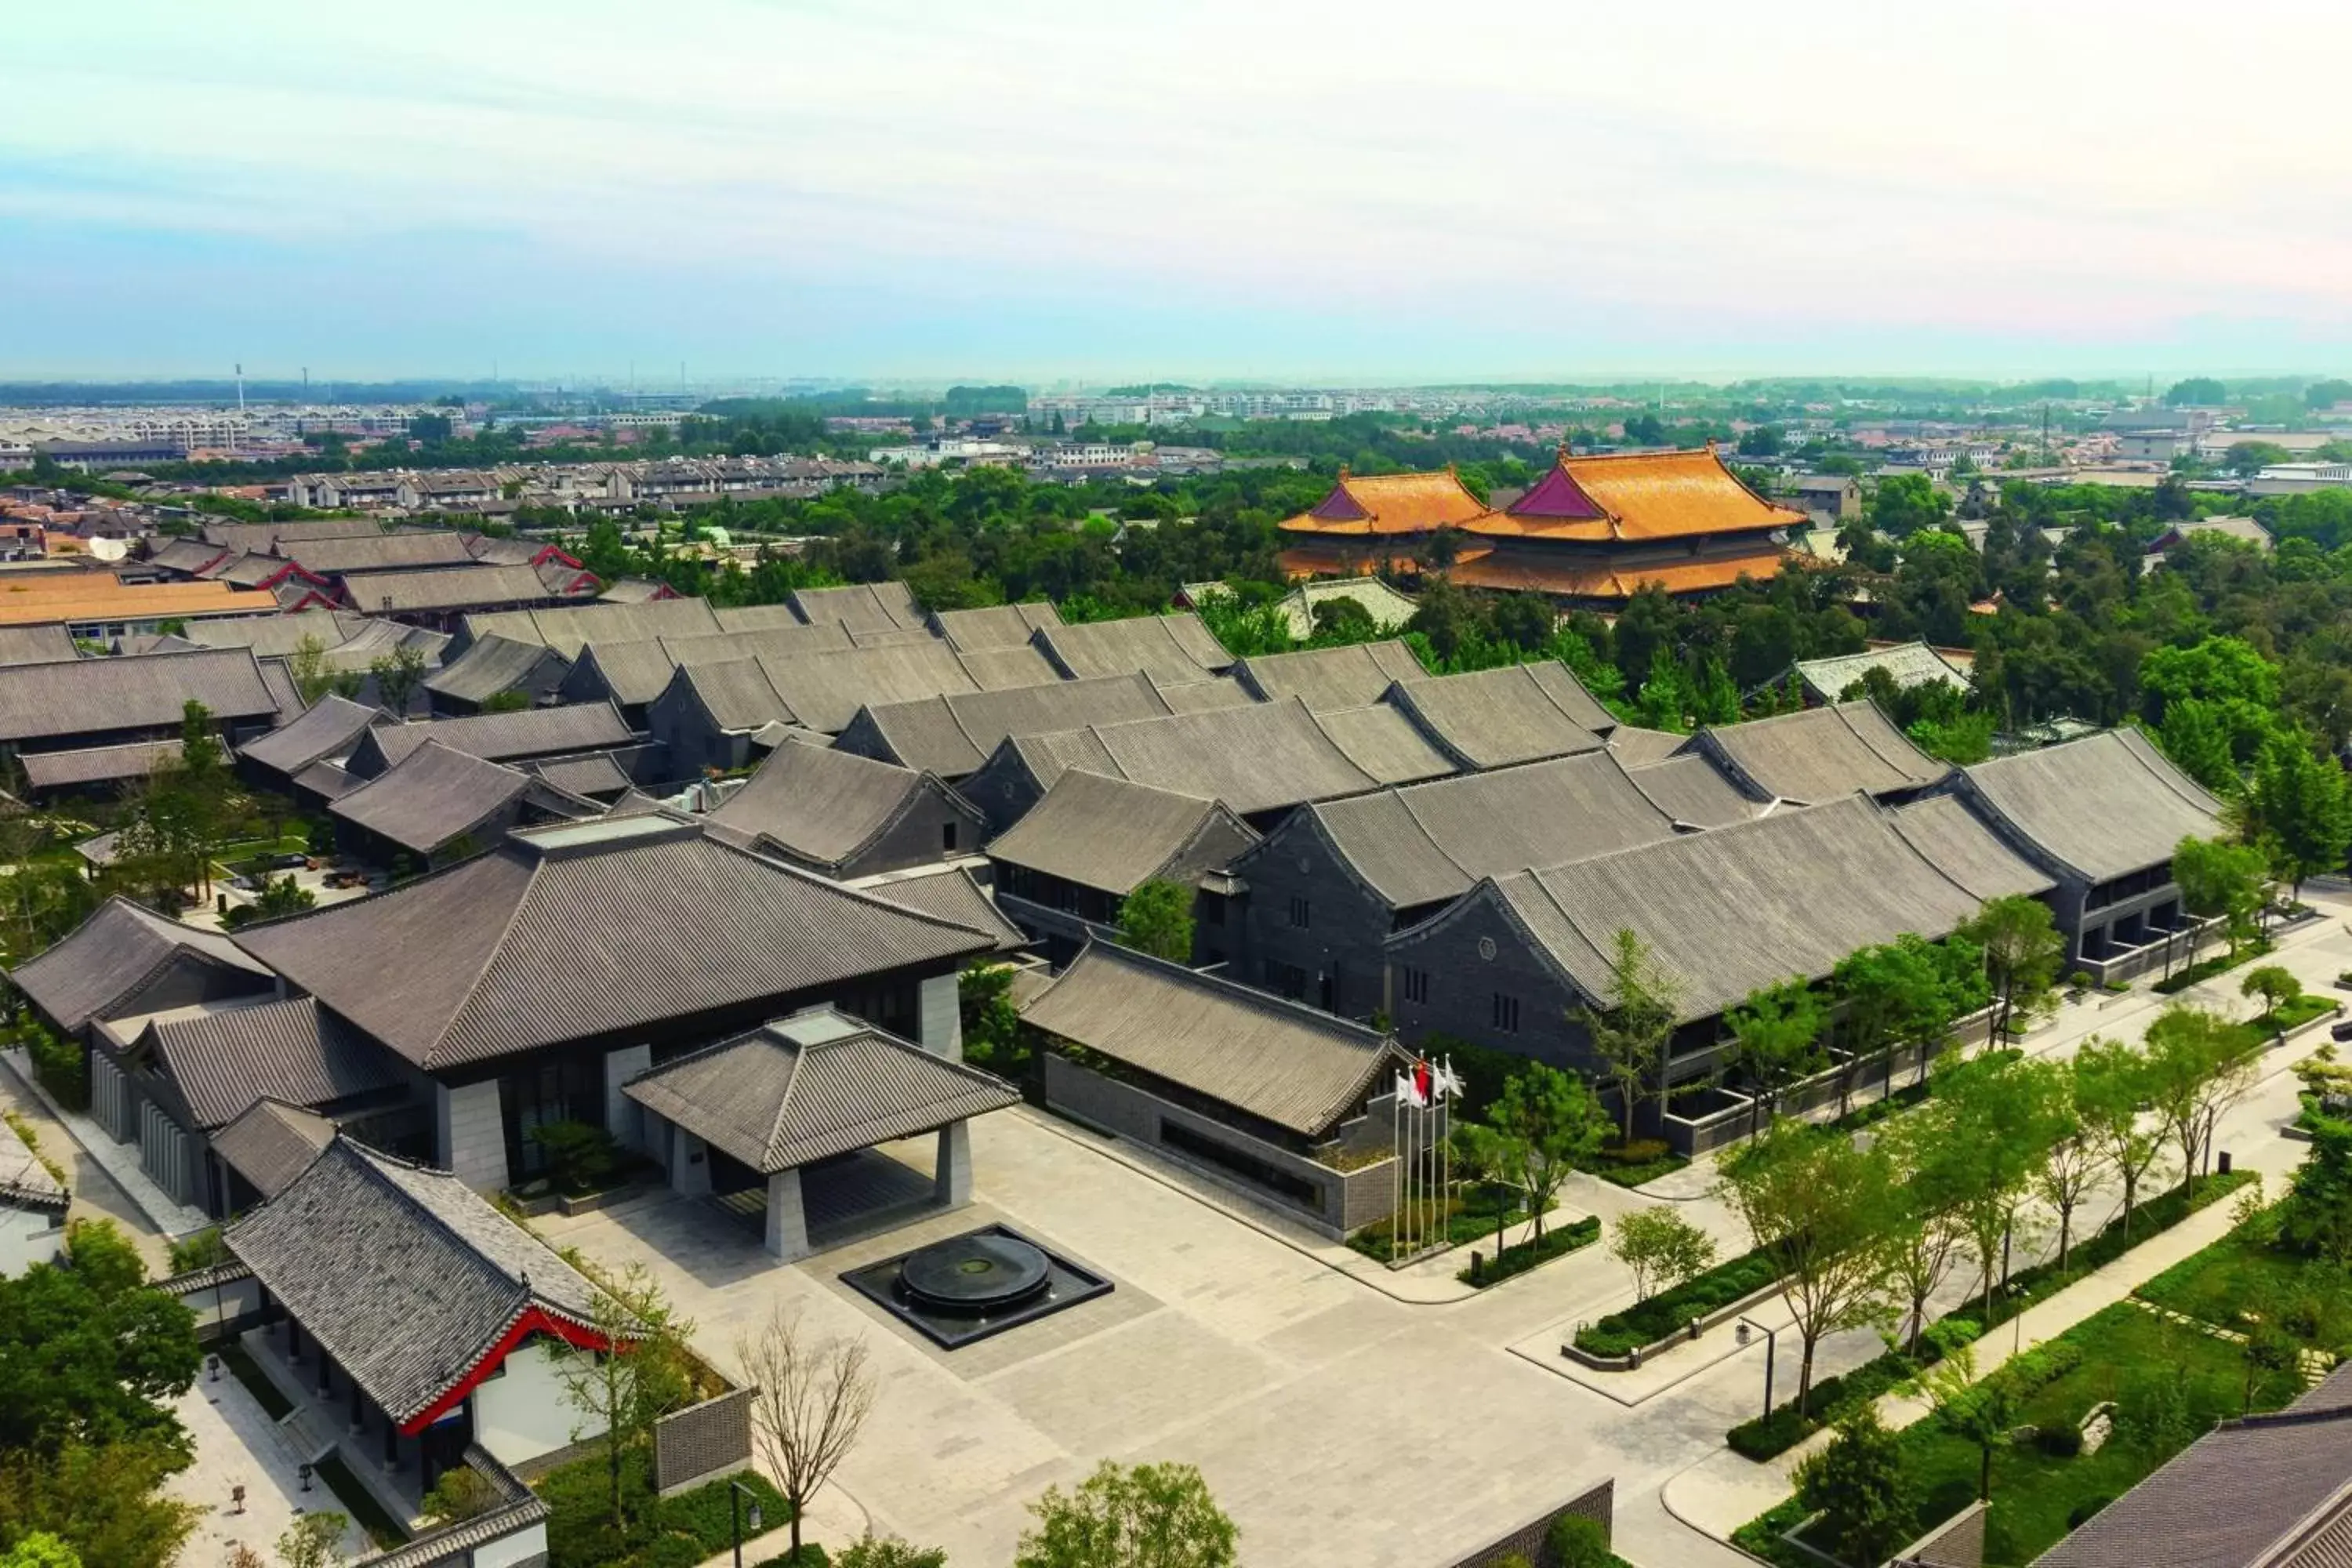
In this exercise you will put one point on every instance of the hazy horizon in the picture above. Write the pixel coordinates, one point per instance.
(886, 193)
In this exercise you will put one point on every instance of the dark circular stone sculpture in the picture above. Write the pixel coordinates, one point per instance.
(974, 1275)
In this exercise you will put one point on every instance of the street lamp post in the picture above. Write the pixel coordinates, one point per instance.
(1771, 1355)
(736, 1492)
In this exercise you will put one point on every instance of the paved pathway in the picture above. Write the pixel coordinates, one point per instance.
(158, 1210)
(237, 1444)
(94, 1193)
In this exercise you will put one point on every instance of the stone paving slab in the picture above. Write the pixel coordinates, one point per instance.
(119, 1161)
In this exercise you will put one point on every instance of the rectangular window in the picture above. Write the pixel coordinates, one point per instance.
(948, 836)
(1507, 1014)
(1286, 979)
(1299, 912)
(1416, 984)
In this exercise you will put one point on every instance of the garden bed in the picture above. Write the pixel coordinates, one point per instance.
(1667, 1315)
(2312, 1300)
(1468, 1219)
(2206, 968)
(680, 1531)
(1558, 1242)
(359, 1502)
(1632, 1164)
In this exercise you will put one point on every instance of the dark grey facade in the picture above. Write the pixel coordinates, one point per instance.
(1310, 928)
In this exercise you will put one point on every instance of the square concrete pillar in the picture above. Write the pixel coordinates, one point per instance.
(787, 1220)
(939, 1013)
(624, 1116)
(951, 1177)
(689, 1163)
(470, 1135)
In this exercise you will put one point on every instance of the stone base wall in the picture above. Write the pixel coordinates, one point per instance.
(703, 1442)
(1598, 1505)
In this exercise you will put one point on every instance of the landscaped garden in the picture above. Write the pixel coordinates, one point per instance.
(662, 1532)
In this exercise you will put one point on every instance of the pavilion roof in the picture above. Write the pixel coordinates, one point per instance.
(1635, 496)
(1381, 504)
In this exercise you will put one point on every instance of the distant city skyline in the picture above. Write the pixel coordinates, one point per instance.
(1278, 193)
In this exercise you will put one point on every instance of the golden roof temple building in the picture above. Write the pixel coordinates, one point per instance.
(1592, 530)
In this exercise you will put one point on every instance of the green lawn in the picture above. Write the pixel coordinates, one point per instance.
(2311, 1299)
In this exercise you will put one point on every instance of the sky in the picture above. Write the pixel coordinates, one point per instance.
(1275, 190)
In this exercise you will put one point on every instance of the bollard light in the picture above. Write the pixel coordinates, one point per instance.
(212, 1368)
(236, 1499)
(303, 1470)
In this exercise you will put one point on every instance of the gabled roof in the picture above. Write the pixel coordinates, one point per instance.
(488, 666)
(1432, 841)
(1494, 718)
(447, 588)
(1113, 834)
(97, 765)
(497, 737)
(1168, 648)
(1638, 748)
(331, 727)
(1390, 504)
(862, 607)
(1909, 664)
(41, 702)
(1821, 753)
(1004, 669)
(1263, 757)
(565, 627)
(823, 691)
(811, 1086)
(590, 930)
(412, 1283)
(1389, 609)
(953, 734)
(261, 535)
(994, 627)
(36, 645)
(1735, 908)
(114, 953)
(1325, 678)
(1635, 496)
(788, 640)
(269, 1144)
(1385, 744)
(1202, 696)
(223, 1059)
(950, 893)
(825, 807)
(636, 591)
(2103, 806)
(377, 553)
(1695, 792)
(1283, 1062)
(1959, 844)
(762, 617)
(431, 798)
(735, 693)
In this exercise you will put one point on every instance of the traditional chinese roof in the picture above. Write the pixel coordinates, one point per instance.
(1598, 578)
(417, 1287)
(88, 696)
(565, 629)
(1694, 792)
(431, 798)
(1908, 664)
(24, 1180)
(1957, 842)
(455, 588)
(950, 893)
(1820, 753)
(223, 1059)
(1635, 496)
(2100, 807)
(1386, 744)
(269, 1144)
(497, 737)
(1385, 504)
(1114, 834)
(588, 929)
(1352, 676)
(993, 626)
(113, 954)
(825, 807)
(488, 666)
(953, 734)
(1515, 713)
(97, 765)
(862, 607)
(1168, 648)
(331, 727)
(811, 1086)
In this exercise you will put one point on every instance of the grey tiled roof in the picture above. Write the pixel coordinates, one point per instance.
(378, 553)
(270, 1143)
(1281, 1061)
(1385, 744)
(43, 701)
(97, 765)
(1494, 718)
(1203, 696)
(1821, 753)
(445, 588)
(585, 930)
(404, 1277)
(1007, 669)
(789, 640)
(761, 618)
(1432, 841)
(950, 893)
(261, 535)
(633, 590)
(293, 1050)
(433, 796)
(1263, 757)
(824, 807)
(114, 953)
(1695, 792)
(1112, 833)
(953, 734)
(813, 1084)
(2265, 1491)
(35, 645)
(565, 627)
(1959, 844)
(1168, 648)
(1738, 908)
(500, 737)
(596, 773)
(24, 1181)
(1331, 677)
(327, 779)
(489, 665)
(824, 690)
(861, 606)
(2105, 805)
(279, 681)
(331, 727)
(1910, 664)
(994, 627)
(1638, 748)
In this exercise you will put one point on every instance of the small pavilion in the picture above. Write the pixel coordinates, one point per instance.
(793, 1110)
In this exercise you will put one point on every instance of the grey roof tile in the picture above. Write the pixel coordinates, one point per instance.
(36, 645)
(225, 1058)
(97, 765)
(1113, 834)
(1385, 744)
(497, 737)
(953, 734)
(1495, 717)
(1168, 648)
(824, 807)
(2105, 805)
(1961, 845)
(1325, 678)
(269, 1144)
(1695, 792)
(993, 626)
(431, 798)
(861, 606)
(116, 951)
(448, 588)
(488, 666)
(48, 701)
(331, 727)
(1823, 753)
(950, 893)
(565, 627)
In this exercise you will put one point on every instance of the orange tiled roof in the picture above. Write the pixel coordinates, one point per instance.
(1638, 496)
(1603, 580)
(97, 595)
(1371, 504)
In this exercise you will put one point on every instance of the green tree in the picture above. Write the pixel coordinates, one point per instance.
(40, 1549)
(315, 1539)
(2112, 1084)
(2224, 881)
(991, 1024)
(307, 664)
(1860, 1485)
(2316, 1218)
(1576, 1541)
(1661, 1247)
(2073, 1155)
(106, 1501)
(2198, 1066)
(1146, 1516)
(2023, 951)
(2245, 458)
(2196, 391)
(1628, 1038)
(398, 674)
(1550, 1121)
(2298, 802)
(2003, 1122)
(1823, 1210)
(2196, 740)
(1157, 919)
(1925, 1237)
(890, 1551)
(620, 1396)
(2277, 988)
(1777, 1040)
(2328, 394)
(1979, 1410)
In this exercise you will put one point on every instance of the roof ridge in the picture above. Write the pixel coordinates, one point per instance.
(1248, 995)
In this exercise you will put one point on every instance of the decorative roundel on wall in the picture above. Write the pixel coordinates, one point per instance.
(1305, 865)
(1486, 947)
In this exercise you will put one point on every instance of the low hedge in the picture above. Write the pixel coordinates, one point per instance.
(1769, 1436)
(1669, 1312)
(1558, 1242)
(682, 1532)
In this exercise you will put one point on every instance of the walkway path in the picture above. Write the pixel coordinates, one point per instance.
(94, 1193)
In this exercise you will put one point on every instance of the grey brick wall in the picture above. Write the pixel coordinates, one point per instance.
(919, 838)
(1346, 930)
(1463, 983)
(1598, 1505)
(703, 1441)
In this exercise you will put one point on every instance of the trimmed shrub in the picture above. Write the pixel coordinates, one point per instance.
(2080, 1514)
(1670, 1312)
(1576, 1541)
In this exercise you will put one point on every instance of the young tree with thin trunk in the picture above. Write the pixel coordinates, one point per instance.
(2275, 986)
(2001, 1130)
(1548, 1121)
(1980, 1410)
(1630, 1036)
(1777, 1040)
(813, 1395)
(398, 674)
(1823, 1210)
(1925, 1239)
(2112, 1083)
(2197, 1070)
(1150, 1516)
(2074, 1158)
(623, 1393)
(2224, 881)
(2022, 950)
(1661, 1247)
